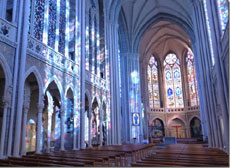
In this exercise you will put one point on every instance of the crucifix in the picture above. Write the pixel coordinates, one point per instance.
(177, 127)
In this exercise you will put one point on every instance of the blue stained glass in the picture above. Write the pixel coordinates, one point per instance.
(178, 91)
(169, 92)
(62, 26)
(168, 75)
(173, 81)
(176, 74)
(223, 10)
(90, 38)
(39, 18)
(30, 16)
(52, 22)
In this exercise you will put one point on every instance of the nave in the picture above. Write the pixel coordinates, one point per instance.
(127, 155)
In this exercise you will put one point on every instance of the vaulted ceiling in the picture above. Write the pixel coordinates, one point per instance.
(158, 24)
(161, 38)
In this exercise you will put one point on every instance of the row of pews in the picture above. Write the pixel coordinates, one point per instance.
(114, 155)
(186, 155)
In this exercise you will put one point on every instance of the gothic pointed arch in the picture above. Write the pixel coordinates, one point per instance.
(153, 84)
(173, 83)
(192, 82)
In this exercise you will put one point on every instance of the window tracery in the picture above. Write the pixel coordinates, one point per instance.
(173, 83)
(192, 83)
(153, 88)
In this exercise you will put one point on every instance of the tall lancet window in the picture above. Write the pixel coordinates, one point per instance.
(52, 22)
(173, 86)
(223, 10)
(62, 26)
(154, 99)
(192, 83)
(39, 11)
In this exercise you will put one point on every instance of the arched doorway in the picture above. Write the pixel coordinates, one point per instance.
(31, 98)
(157, 128)
(51, 119)
(177, 128)
(2, 89)
(95, 134)
(195, 128)
(69, 121)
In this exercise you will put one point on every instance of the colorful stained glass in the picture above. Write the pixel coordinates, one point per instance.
(90, 39)
(173, 82)
(52, 22)
(62, 27)
(154, 98)
(95, 44)
(39, 11)
(209, 32)
(223, 10)
(30, 16)
(192, 83)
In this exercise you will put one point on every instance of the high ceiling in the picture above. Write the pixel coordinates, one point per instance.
(161, 38)
(149, 22)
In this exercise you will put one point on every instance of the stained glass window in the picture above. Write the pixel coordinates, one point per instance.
(173, 84)
(192, 83)
(153, 88)
(209, 31)
(52, 22)
(90, 39)
(39, 11)
(62, 27)
(30, 16)
(223, 10)
(95, 44)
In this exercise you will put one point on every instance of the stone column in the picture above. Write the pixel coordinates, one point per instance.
(203, 70)
(90, 126)
(3, 4)
(187, 129)
(81, 17)
(24, 5)
(112, 43)
(25, 114)
(40, 107)
(218, 50)
(62, 129)
(74, 132)
(6, 103)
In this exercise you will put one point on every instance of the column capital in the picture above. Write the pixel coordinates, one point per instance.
(62, 110)
(26, 107)
(40, 107)
(6, 101)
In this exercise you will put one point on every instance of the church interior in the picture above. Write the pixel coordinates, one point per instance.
(116, 83)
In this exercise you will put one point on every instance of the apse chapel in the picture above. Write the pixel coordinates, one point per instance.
(114, 82)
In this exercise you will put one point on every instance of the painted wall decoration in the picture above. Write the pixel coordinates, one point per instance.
(30, 136)
(157, 128)
(177, 128)
(195, 127)
(69, 125)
